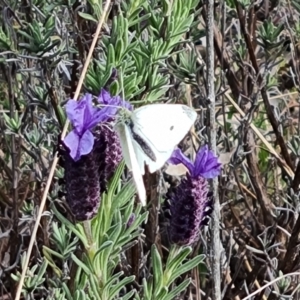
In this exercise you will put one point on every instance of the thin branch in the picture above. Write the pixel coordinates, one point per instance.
(216, 246)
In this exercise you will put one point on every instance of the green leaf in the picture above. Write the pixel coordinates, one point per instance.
(157, 270)
(87, 16)
(105, 245)
(67, 291)
(80, 295)
(15, 277)
(115, 233)
(52, 252)
(41, 272)
(104, 258)
(72, 227)
(177, 290)
(125, 35)
(115, 278)
(129, 295)
(80, 264)
(111, 57)
(163, 293)
(25, 34)
(95, 289)
(119, 49)
(124, 195)
(114, 291)
(114, 88)
(14, 123)
(147, 288)
(113, 184)
(193, 263)
(139, 20)
(174, 262)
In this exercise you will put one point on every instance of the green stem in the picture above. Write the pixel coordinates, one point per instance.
(91, 244)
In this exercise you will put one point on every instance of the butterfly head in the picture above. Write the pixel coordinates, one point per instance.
(123, 116)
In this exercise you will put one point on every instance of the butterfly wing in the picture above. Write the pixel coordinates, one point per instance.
(162, 127)
(131, 159)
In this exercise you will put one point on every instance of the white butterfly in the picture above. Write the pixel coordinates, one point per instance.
(149, 135)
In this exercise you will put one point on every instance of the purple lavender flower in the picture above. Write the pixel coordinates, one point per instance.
(191, 202)
(206, 163)
(93, 152)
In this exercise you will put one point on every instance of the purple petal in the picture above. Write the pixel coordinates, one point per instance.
(114, 101)
(86, 143)
(201, 156)
(77, 145)
(206, 164)
(72, 142)
(100, 115)
(104, 97)
(90, 112)
(75, 113)
(84, 115)
(126, 104)
(93, 115)
(179, 158)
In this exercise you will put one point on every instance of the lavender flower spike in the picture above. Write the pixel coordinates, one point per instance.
(190, 200)
(93, 152)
